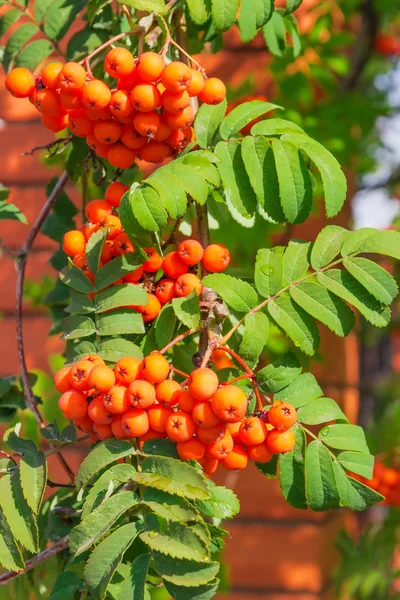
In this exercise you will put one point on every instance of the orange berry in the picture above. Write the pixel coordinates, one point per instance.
(186, 284)
(96, 210)
(96, 94)
(252, 431)
(165, 290)
(181, 120)
(197, 83)
(141, 394)
(50, 73)
(98, 114)
(237, 459)
(119, 62)
(216, 258)
(116, 399)
(79, 123)
(180, 427)
(282, 415)
(114, 193)
(74, 242)
(163, 132)
(229, 403)
(71, 100)
(145, 97)
(122, 245)
(203, 415)
(48, 102)
(79, 375)
(128, 82)
(135, 422)
(55, 124)
(158, 417)
(120, 156)
(174, 103)
(179, 138)
(150, 310)
(120, 105)
(390, 477)
(107, 132)
(93, 358)
(103, 432)
(61, 380)
(134, 276)
(221, 359)
(212, 434)
(73, 404)
(176, 77)
(20, 82)
(154, 152)
(126, 370)
(186, 401)
(114, 225)
(116, 427)
(155, 368)
(98, 147)
(88, 230)
(131, 138)
(72, 77)
(213, 92)
(234, 430)
(101, 378)
(173, 266)
(191, 450)
(84, 424)
(260, 453)
(80, 261)
(279, 442)
(98, 412)
(221, 448)
(149, 66)
(154, 261)
(190, 252)
(146, 124)
(210, 465)
(168, 392)
(203, 383)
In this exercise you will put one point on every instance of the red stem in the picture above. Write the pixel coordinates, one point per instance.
(236, 357)
(181, 373)
(177, 340)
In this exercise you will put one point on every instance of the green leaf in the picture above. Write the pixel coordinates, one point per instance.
(354, 494)
(247, 21)
(255, 335)
(118, 322)
(275, 127)
(237, 188)
(17, 512)
(134, 586)
(117, 268)
(260, 165)
(94, 525)
(77, 326)
(268, 272)
(8, 19)
(187, 310)
(223, 13)
(198, 12)
(238, 294)
(269, 469)
(112, 350)
(374, 278)
(10, 556)
(292, 5)
(296, 323)
(130, 223)
(173, 476)
(344, 437)
(292, 476)
(208, 120)
(178, 541)
(106, 557)
(11, 212)
(319, 411)
(202, 592)
(321, 484)
(295, 187)
(242, 115)
(76, 279)
(296, 260)
(369, 240)
(114, 476)
(327, 245)
(357, 462)
(275, 34)
(94, 248)
(85, 41)
(156, 6)
(16, 41)
(60, 17)
(166, 322)
(160, 447)
(33, 475)
(65, 586)
(103, 454)
(186, 573)
(148, 208)
(203, 166)
(279, 374)
(170, 507)
(171, 190)
(194, 183)
(80, 303)
(333, 179)
(125, 295)
(344, 285)
(95, 7)
(324, 306)
(222, 503)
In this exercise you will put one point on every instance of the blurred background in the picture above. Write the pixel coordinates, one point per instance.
(339, 78)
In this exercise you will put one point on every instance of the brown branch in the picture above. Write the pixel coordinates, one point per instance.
(50, 146)
(33, 562)
(54, 484)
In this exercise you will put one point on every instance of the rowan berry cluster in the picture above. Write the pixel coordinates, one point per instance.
(176, 272)
(386, 481)
(205, 418)
(147, 115)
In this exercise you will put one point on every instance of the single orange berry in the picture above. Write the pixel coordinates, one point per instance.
(96, 94)
(252, 431)
(48, 102)
(180, 427)
(197, 83)
(168, 392)
(114, 193)
(55, 124)
(190, 252)
(79, 375)
(120, 104)
(154, 152)
(221, 448)
(88, 230)
(96, 210)
(119, 62)
(71, 100)
(203, 383)
(210, 465)
(173, 266)
(150, 310)
(141, 394)
(174, 103)
(116, 399)
(186, 401)
(103, 432)
(81, 262)
(234, 430)
(73, 404)
(158, 417)
(191, 450)
(154, 261)
(135, 422)
(94, 358)
(135, 276)
(99, 148)
(126, 370)
(149, 66)
(50, 73)
(165, 290)
(163, 131)
(107, 132)
(146, 124)
(120, 156)
(98, 412)
(211, 435)
(61, 380)
(216, 258)
(20, 82)
(155, 368)
(203, 415)
(72, 77)
(181, 120)
(145, 97)
(229, 403)
(279, 442)
(74, 242)
(122, 245)
(237, 459)
(260, 453)
(113, 224)
(186, 284)
(221, 359)
(131, 138)
(79, 123)
(176, 77)
(98, 114)
(282, 415)
(116, 427)
(101, 378)
(213, 92)
(84, 424)
(128, 82)
(179, 138)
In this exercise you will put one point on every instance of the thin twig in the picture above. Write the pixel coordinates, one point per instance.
(54, 484)
(177, 340)
(65, 444)
(120, 36)
(64, 141)
(179, 372)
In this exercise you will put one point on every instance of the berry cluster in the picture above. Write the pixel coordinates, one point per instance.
(205, 418)
(386, 481)
(147, 115)
(176, 272)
